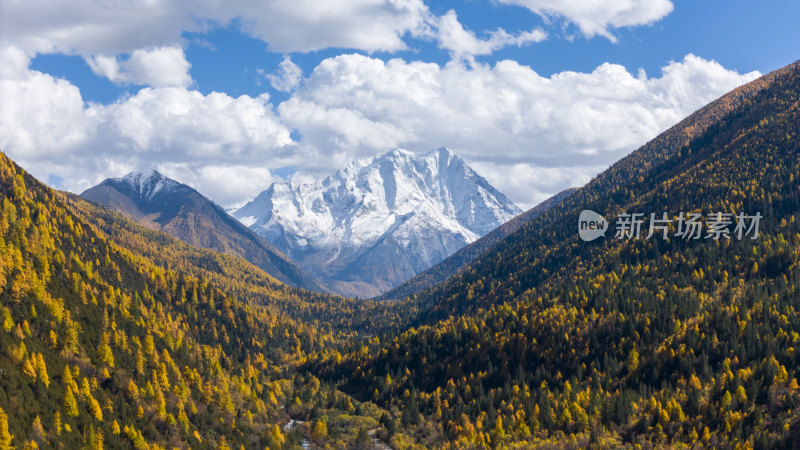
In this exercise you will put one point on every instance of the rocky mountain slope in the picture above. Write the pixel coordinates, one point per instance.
(380, 220)
(460, 259)
(161, 203)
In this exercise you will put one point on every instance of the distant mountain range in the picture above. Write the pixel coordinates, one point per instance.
(161, 203)
(380, 220)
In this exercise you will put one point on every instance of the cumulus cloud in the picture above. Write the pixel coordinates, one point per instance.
(169, 121)
(288, 76)
(354, 101)
(308, 25)
(499, 116)
(90, 27)
(461, 42)
(230, 185)
(48, 128)
(15, 62)
(157, 67)
(528, 185)
(41, 116)
(597, 17)
(529, 135)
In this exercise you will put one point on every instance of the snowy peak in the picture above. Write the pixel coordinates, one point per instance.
(145, 193)
(417, 208)
(146, 183)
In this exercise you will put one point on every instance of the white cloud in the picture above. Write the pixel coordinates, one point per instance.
(170, 121)
(530, 185)
(308, 25)
(46, 126)
(41, 116)
(498, 117)
(91, 27)
(15, 62)
(229, 185)
(461, 42)
(288, 77)
(529, 135)
(596, 17)
(157, 67)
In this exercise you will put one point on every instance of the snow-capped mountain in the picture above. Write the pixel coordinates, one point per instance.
(163, 204)
(149, 183)
(380, 220)
(144, 196)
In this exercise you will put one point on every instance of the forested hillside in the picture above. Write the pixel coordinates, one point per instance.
(672, 342)
(140, 341)
(236, 276)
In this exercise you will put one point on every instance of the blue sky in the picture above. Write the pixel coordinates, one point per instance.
(231, 97)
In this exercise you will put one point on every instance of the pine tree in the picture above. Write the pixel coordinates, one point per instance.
(5, 436)
(57, 423)
(104, 353)
(67, 379)
(362, 439)
(41, 369)
(498, 432)
(94, 407)
(98, 439)
(8, 321)
(633, 360)
(276, 438)
(388, 423)
(223, 444)
(319, 432)
(70, 403)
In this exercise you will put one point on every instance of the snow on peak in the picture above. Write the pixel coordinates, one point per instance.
(398, 196)
(147, 182)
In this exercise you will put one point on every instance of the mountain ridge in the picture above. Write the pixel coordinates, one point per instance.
(640, 163)
(463, 257)
(161, 203)
(379, 220)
